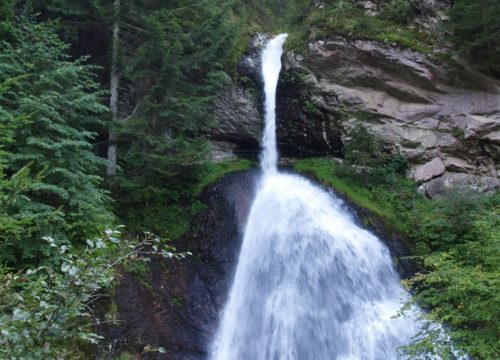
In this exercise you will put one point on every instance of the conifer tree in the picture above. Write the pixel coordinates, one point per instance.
(60, 99)
(476, 31)
(171, 60)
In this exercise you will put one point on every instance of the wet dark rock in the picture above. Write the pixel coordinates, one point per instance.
(178, 307)
(239, 122)
(249, 65)
(304, 128)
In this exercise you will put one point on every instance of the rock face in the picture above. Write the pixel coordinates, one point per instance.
(178, 307)
(249, 65)
(429, 170)
(435, 188)
(239, 123)
(426, 109)
(238, 109)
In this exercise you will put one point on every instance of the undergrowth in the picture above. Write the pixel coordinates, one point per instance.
(170, 210)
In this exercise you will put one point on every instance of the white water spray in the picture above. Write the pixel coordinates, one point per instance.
(271, 67)
(310, 284)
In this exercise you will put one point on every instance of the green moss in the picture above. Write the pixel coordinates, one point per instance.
(176, 301)
(214, 171)
(458, 133)
(324, 170)
(125, 355)
(405, 39)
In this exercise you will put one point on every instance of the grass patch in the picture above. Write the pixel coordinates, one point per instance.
(213, 171)
(406, 39)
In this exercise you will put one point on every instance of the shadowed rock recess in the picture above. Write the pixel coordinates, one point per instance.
(178, 305)
(433, 113)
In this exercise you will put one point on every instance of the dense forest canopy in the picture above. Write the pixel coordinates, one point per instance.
(78, 78)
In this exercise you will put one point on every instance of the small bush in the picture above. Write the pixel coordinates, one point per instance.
(46, 312)
(398, 11)
(365, 153)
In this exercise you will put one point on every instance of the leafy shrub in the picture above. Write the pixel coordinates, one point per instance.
(459, 287)
(365, 153)
(398, 11)
(46, 312)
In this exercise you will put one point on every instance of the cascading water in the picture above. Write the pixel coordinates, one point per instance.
(271, 67)
(310, 284)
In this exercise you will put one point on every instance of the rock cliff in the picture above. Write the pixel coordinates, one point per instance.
(445, 119)
(431, 112)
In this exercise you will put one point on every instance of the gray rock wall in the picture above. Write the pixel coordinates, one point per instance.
(426, 109)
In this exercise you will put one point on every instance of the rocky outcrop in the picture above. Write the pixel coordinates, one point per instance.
(178, 306)
(238, 109)
(458, 181)
(249, 65)
(430, 170)
(239, 123)
(426, 109)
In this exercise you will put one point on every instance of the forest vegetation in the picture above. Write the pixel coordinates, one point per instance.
(78, 78)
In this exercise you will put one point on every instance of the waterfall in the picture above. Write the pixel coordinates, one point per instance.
(271, 67)
(310, 283)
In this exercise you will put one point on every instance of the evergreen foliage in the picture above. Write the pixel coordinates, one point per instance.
(476, 31)
(175, 71)
(60, 100)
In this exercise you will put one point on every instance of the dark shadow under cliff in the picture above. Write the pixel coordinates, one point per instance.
(178, 305)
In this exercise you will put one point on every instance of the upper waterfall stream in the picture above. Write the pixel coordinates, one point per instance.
(310, 283)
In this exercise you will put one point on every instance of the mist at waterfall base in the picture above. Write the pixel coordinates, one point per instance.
(309, 284)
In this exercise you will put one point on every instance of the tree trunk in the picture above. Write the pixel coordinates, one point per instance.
(114, 84)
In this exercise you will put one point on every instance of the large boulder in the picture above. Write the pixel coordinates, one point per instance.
(453, 181)
(429, 170)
